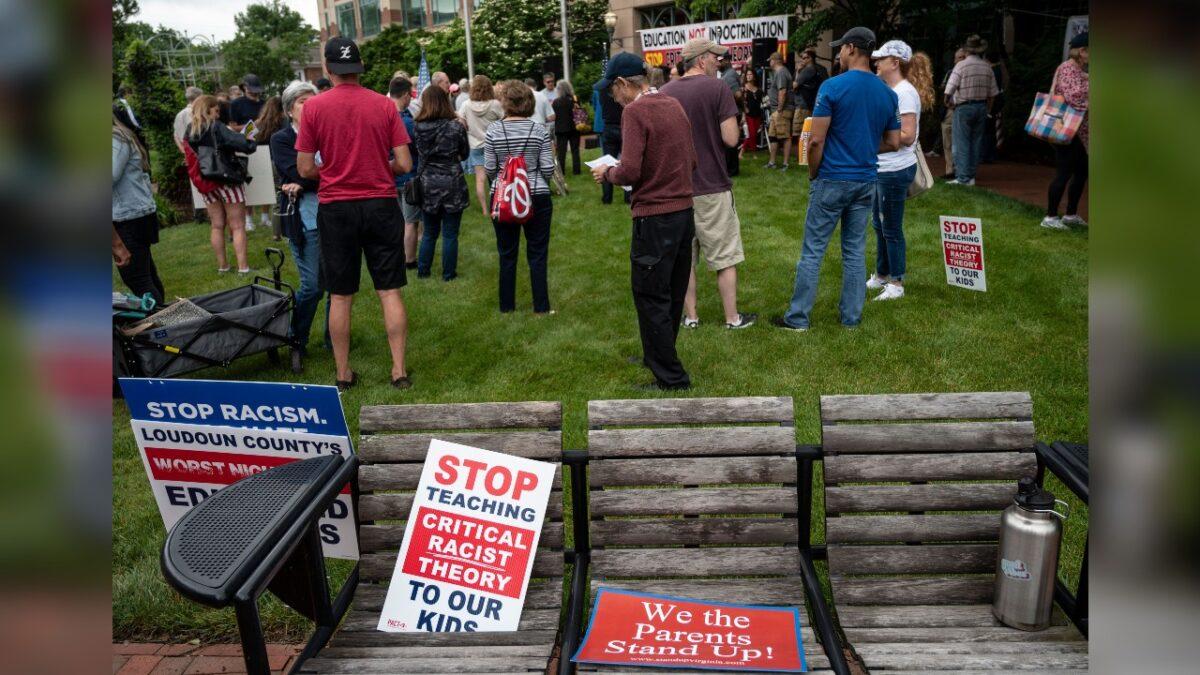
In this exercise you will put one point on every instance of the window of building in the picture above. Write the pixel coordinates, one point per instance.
(345, 21)
(368, 10)
(414, 14)
(663, 16)
(444, 11)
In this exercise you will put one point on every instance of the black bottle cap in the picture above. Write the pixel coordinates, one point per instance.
(1030, 496)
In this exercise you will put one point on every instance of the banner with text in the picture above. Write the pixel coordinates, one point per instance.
(664, 46)
(645, 629)
(197, 436)
(470, 542)
(962, 247)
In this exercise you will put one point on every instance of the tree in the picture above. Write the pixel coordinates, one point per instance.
(514, 37)
(156, 98)
(270, 38)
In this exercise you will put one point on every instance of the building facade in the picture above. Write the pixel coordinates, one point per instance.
(362, 20)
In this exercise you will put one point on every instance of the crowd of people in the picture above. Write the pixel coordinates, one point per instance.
(383, 178)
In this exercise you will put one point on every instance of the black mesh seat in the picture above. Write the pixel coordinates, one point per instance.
(215, 546)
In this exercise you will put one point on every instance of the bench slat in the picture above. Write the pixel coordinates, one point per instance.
(479, 660)
(961, 634)
(945, 466)
(930, 559)
(933, 497)
(692, 501)
(379, 566)
(976, 405)
(374, 638)
(531, 619)
(542, 594)
(378, 448)
(696, 562)
(912, 590)
(814, 658)
(674, 411)
(931, 436)
(372, 538)
(866, 529)
(694, 471)
(786, 591)
(429, 416)
(694, 531)
(397, 506)
(980, 661)
(928, 616)
(384, 477)
(691, 442)
(945, 647)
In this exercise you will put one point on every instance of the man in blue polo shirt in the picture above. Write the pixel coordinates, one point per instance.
(855, 118)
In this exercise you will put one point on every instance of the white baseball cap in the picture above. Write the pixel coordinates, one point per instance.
(896, 48)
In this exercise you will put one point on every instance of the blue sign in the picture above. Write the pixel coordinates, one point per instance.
(309, 408)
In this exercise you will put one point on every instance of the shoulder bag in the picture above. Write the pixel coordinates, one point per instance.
(1052, 119)
(923, 180)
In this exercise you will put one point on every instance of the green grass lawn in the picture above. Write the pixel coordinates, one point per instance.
(1028, 333)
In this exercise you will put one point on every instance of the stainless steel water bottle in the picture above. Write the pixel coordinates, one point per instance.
(1027, 559)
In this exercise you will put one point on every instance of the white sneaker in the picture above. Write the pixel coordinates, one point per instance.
(265, 220)
(1074, 221)
(960, 182)
(891, 292)
(249, 223)
(876, 282)
(1054, 223)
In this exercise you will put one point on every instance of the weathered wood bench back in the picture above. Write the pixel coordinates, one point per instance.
(392, 447)
(685, 490)
(913, 488)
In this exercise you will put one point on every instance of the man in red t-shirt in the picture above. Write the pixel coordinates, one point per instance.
(352, 130)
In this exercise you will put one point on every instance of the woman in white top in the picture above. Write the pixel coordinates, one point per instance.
(479, 111)
(910, 76)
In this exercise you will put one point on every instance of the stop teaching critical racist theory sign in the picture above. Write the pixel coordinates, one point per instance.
(470, 542)
(197, 436)
(962, 248)
(646, 629)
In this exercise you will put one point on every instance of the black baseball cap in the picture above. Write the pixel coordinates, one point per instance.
(252, 84)
(1080, 40)
(859, 36)
(623, 64)
(342, 57)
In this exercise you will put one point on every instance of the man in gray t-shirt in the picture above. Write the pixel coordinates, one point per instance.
(783, 109)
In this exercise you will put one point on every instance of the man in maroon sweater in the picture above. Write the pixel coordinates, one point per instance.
(660, 252)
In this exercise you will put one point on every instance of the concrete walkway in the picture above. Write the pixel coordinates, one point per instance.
(143, 658)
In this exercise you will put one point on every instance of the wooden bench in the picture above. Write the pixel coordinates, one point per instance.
(392, 449)
(712, 512)
(912, 544)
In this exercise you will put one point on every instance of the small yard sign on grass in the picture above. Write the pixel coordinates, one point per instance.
(962, 246)
(470, 542)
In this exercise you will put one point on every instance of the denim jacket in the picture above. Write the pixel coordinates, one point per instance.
(131, 195)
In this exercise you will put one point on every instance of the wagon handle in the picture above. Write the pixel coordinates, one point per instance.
(276, 257)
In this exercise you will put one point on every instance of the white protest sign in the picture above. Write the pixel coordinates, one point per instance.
(469, 544)
(260, 190)
(962, 248)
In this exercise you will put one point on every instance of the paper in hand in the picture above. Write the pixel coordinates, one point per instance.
(606, 160)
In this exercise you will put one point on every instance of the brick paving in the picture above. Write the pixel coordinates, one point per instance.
(1024, 182)
(151, 658)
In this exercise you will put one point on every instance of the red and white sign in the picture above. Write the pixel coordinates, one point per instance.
(664, 46)
(469, 544)
(645, 629)
(962, 248)
(188, 462)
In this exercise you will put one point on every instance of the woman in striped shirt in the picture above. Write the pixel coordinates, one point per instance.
(516, 134)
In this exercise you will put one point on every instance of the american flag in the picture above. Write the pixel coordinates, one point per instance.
(423, 78)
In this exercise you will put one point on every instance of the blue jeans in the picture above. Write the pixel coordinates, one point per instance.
(969, 122)
(829, 201)
(890, 193)
(445, 224)
(308, 296)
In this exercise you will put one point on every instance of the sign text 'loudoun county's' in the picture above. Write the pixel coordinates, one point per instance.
(962, 248)
(664, 46)
(470, 542)
(197, 436)
(646, 629)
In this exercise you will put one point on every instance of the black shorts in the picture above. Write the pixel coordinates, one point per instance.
(351, 230)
